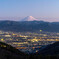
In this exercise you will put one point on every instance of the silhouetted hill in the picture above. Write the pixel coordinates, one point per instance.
(52, 49)
(9, 52)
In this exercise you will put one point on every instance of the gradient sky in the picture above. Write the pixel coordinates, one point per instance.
(47, 10)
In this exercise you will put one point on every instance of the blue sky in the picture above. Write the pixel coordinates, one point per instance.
(42, 9)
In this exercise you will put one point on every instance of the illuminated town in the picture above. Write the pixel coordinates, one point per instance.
(29, 41)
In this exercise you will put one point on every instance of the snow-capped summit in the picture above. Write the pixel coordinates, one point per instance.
(29, 18)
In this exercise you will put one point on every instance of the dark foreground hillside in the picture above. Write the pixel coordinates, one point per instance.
(9, 52)
(52, 49)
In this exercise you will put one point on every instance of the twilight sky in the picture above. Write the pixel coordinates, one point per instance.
(47, 10)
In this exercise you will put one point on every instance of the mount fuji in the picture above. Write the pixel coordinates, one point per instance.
(29, 18)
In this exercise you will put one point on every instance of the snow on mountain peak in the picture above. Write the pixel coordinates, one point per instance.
(29, 18)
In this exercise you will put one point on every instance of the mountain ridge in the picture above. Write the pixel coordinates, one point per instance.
(29, 26)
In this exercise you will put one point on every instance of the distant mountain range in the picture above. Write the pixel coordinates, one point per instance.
(29, 26)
